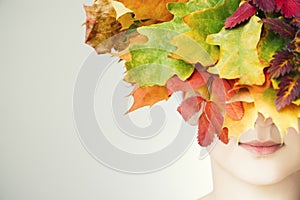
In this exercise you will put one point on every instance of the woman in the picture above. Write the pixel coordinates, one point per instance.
(234, 59)
(260, 166)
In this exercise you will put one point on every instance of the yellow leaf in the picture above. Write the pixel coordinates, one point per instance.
(264, 100)
(238, 53)
(237, 128)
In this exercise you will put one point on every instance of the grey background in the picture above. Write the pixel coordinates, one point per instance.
(41, 156)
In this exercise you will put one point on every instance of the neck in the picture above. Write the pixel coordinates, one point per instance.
(228, 187)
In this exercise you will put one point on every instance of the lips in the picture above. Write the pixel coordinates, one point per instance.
(261, 148)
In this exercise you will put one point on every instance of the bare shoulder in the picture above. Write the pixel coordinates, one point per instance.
(210, 196)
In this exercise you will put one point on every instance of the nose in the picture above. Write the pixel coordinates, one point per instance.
(266, 130)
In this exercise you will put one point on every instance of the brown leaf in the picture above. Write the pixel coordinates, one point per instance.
(148, 96)
(101, 24)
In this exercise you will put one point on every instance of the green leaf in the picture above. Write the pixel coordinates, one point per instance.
(209, 21)
(269, 44)
(238, 53)
(152, 62)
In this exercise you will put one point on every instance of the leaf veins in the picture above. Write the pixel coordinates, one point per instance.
(289, 90)
(278, 26)
(265, 5)
(289, 8)
(281, 64)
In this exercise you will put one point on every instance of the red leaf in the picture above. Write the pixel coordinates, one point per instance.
(210, 123)
(281, 64)
(190, 106)
(289, 8)
(244, 12)
(205, 131)
(265, 5)
(289, 89)
(224, 135)
(235, 110)
(278, 26)
(214, 115)
(195, 81)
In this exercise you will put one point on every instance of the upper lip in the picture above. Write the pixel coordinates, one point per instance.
(256, 143)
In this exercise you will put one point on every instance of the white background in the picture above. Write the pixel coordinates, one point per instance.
(41, 156)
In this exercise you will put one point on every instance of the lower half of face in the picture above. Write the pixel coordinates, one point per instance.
(260, 156)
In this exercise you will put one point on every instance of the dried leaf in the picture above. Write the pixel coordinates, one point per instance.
(101, 25)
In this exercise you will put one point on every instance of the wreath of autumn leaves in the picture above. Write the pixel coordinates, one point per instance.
(231, 59)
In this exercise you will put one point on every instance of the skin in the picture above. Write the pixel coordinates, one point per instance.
(239, 173)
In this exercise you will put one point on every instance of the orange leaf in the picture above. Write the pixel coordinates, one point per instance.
(150, 9)
(235, 110)
(148, 96)
(223, 136)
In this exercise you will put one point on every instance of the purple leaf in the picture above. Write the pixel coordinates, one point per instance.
(278, 26)
(281, 64)
(289, 89)
(265, 5)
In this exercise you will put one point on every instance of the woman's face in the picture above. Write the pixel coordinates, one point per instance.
(260, 157)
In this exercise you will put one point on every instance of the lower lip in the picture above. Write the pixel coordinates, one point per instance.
(261, 150)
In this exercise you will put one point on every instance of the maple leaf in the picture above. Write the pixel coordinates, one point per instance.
(210, 123)
(289, 8)
(190, 106)
(148, 96)
(243, 13)
(265, 5)
(152, 63)
(281, 64)
(282, 28)
(150, 9)
(239, 57)
(208, 21)
(289, 89)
